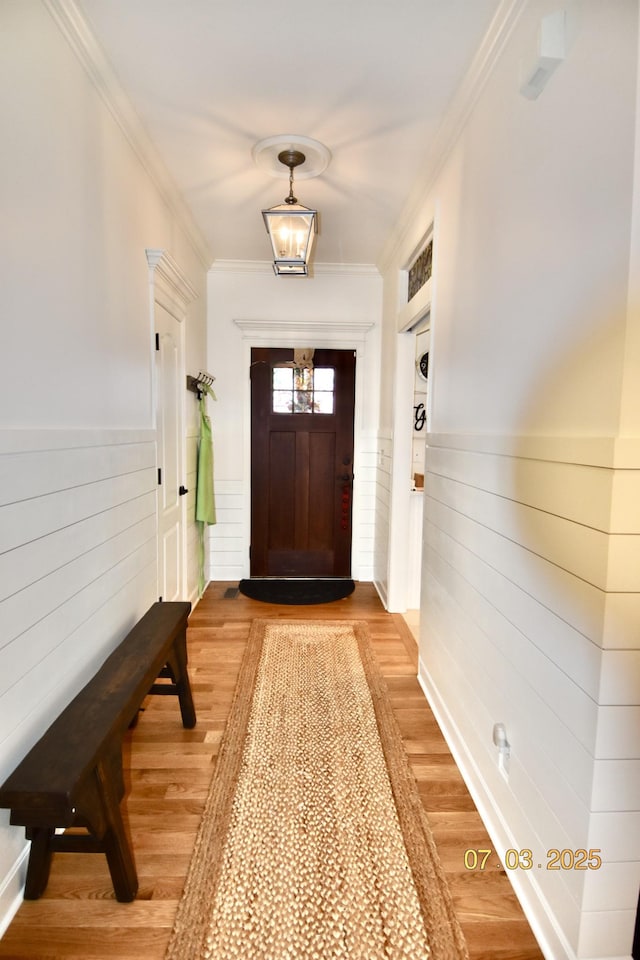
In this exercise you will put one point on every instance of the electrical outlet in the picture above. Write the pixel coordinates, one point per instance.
(504, 748)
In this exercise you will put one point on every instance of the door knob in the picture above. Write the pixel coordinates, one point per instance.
(182, 491)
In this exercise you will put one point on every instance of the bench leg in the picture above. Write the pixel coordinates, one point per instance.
(177, 663)
(39, 861)
(115, 840)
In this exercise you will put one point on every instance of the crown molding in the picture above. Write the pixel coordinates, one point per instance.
(457, 116)
(265, 268)
(168, 280)
(77, 32)
(260, 267)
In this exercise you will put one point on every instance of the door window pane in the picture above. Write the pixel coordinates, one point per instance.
(282, 378)
(323, 378)
(303, 390)
(323, 402)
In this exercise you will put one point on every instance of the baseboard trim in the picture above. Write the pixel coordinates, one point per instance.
(546, 930)
(194, 596)
(12, 889)
(382, 593)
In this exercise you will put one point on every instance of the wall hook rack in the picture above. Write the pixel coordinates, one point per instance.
(199, 384)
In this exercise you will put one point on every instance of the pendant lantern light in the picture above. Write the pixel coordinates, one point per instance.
(291, 226)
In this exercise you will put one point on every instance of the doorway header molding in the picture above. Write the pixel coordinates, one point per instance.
(286, 332)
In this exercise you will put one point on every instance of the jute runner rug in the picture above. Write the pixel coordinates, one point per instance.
(313, 842)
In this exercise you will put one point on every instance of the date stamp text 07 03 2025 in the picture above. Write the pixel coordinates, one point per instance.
(477, 859)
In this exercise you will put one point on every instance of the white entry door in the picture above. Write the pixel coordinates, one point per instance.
(170, 395)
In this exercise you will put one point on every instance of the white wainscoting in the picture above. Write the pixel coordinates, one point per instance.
(229, 537)
(77, 570)
(384, 464)
(518, 584)
(364, 505)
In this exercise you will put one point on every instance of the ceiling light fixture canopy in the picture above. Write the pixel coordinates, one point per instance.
(291, 226)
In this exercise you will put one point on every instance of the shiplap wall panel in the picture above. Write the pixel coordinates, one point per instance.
(623, 573)
(621, 620)
(383, 511)
(48, 608)
(617, 833)
(620, 680)
(34, 560)
(364, 505)
(573, 653)
(574, 547)
(613, 890)
(520, 834)
(536, 684)
(569, 490)
(605, 933)
(569, 597)
(625, 510)
(28, 520)
(616, 784)
(550, 750)
(77, 566)
(228, 538)
(79, 644)
(49, 655)
(618, 731)
(36, 600)
(474, 686)
(35, 473)
(527, 561)
(61, 647)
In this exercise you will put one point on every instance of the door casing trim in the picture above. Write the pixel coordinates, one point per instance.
(331, 335)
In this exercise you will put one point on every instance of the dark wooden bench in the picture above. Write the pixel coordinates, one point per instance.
(72, 777)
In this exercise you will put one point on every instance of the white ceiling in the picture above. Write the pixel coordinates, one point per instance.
(370, 79)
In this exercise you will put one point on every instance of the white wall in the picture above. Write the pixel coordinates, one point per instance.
(250, 306)
(77, 438)
(530, 597)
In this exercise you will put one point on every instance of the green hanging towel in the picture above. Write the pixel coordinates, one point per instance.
(205, 498)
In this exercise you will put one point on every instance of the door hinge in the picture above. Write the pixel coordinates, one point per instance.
(157, 341)
(159, 475)
(159, 599)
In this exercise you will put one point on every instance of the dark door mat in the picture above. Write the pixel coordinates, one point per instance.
(273, 590)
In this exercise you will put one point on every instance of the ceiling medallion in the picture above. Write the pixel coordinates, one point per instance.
(266, 152)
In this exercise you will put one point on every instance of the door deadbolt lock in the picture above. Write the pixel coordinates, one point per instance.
(182, 491)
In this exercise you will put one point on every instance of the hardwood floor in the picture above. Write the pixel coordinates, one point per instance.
(168, 770)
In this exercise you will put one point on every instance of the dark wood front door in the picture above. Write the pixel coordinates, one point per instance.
(301, 464)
